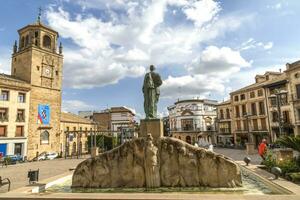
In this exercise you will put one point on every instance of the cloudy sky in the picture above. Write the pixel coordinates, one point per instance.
(201, 48)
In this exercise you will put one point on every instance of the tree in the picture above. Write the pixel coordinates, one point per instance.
(290, 142)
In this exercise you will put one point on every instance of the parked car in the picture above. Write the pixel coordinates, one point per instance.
(13, 159)
(52, 155)
(47, 156)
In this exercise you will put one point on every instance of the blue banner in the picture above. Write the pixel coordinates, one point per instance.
(43, 114)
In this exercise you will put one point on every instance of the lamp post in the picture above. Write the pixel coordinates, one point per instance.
(250, 139)
(277, 96)
(250, 145)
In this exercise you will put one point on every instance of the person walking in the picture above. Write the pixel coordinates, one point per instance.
(262, 149)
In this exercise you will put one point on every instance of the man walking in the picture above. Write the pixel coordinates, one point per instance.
(262, 149)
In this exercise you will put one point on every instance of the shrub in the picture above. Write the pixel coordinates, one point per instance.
(288, 166)
(270, 160)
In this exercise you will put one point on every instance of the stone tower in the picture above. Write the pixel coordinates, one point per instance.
(39, 62)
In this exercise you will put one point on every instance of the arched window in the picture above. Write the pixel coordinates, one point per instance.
(22, 42)
(74, 148)
(44, 137)
(26, 40)
(47, 41)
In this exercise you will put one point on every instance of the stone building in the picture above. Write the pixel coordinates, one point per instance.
(224, 123)
(74, 132)
(103, 120)
(268, 108)
(250, 116)
(193, 120)
(14, 113)
(116, 119)
(122, 118)
(36, 61)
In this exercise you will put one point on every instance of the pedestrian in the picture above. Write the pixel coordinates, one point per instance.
(211, 148)
(262, 149)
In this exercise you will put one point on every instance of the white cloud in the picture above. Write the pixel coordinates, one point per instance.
(191, 85)
(277, 6)
(210, 72)
(75, 105)
(214, 60)
(252, 44)
(122, 45)
(269, 45)
(201, 12)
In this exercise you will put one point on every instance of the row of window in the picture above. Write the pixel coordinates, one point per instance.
(253, 126)
(252, 94)
(80, 128)
(284, 114)
(46, 41)
(227, 114)
(19, 131)
(4, 115)
(253, 109)
(4, 96)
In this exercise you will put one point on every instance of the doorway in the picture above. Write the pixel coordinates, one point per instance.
(18, 149)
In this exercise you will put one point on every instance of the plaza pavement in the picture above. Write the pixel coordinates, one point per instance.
(238, 155)
(49, 168)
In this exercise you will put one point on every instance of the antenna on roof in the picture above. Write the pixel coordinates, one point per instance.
(39, 15)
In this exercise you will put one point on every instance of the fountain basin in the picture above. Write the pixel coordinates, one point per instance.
(253, 184)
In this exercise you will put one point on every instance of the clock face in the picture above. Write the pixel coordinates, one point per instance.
(47, 72)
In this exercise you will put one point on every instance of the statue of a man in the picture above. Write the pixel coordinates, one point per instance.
(152, 81)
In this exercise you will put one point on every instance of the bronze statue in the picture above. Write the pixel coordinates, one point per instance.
(152, 81)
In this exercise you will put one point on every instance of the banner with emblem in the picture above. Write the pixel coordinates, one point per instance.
(43, 114)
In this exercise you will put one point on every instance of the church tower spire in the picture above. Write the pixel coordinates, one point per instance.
(39, 15)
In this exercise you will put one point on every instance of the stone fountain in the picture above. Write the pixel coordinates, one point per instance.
(163, 162)
(158, 162)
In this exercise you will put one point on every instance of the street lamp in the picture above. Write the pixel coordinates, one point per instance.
(277, 95)
(250, 148)
(250, 139)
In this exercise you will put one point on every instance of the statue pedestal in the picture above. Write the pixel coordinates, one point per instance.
(153, 126)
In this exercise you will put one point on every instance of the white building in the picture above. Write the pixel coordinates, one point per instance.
(14, 114)
(193, 120)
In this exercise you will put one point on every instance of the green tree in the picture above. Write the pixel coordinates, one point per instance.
(290, 142)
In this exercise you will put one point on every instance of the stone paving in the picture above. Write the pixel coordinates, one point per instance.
(49, 168)
(238, 155)
(18, 173)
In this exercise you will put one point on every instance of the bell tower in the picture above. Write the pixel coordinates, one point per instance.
(38, 60)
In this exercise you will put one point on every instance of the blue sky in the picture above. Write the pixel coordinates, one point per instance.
(202, 48)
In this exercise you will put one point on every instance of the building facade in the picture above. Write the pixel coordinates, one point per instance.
(250, 117)
(268, 109)
(193, 120)
(37, 61)
(14, 114)
(74, 132)
(224, 124)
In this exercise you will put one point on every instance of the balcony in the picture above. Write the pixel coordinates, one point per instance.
(20, 119)
(3, 118)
